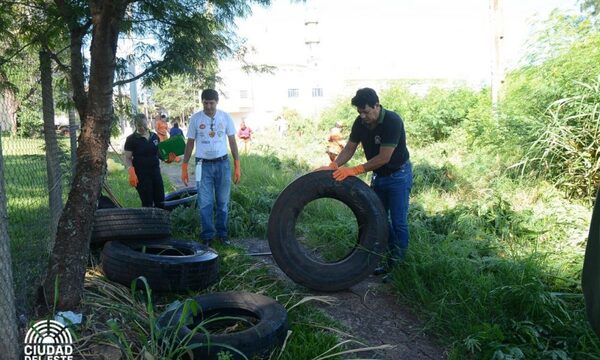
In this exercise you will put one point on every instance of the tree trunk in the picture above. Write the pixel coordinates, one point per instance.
(52, 150)
(73, 137)
(9, 345)
(9, 107)
(70, 252)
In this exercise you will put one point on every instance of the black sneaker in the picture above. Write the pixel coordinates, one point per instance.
(206, 242)
(380, 270)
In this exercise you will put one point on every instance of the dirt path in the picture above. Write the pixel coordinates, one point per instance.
(369, 310)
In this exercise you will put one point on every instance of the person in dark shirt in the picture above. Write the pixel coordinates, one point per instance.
(141, 158)
(381, 134)
(175, 130)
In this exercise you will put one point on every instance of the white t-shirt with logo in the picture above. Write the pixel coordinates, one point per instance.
(211, 133)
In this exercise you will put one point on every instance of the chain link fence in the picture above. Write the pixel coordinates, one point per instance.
(37, 179)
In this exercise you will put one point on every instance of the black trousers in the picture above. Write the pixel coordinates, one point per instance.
(150, 188)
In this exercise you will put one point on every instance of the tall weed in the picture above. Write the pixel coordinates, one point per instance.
(567, 150)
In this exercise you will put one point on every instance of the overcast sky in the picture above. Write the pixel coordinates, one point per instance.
(394, 38)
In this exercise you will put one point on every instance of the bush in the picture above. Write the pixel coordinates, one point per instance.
(441, 111)
(296, 123)
(341, 111)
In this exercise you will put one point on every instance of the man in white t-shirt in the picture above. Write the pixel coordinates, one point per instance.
(210, 130)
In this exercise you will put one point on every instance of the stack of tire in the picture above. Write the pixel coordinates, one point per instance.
(137, 242)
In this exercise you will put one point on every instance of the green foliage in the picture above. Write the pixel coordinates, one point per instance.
(426, 120)
(185, 222)
(556, 34)
(593, 6)
(530, 90)
(340, 111)
(441, 111)
(250, 208)
(189, 38)
(567, 150)
(177, 95)
(407, 105)
(296, 123)
(492, 263)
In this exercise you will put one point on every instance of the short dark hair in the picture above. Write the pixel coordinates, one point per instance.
(364, 97)
(210, 94)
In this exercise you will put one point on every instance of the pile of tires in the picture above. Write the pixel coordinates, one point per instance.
(137, 242)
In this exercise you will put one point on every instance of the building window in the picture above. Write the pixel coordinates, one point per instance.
(317, 92)
(243, 94)
(293, 93)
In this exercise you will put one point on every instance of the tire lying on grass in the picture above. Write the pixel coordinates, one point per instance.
(182, 197)
(130, 223)
(255, 324)
(590, 277)
(310, 272)
(168, 265)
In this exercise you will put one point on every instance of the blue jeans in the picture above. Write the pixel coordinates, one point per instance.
(214, 190)
(394, 191)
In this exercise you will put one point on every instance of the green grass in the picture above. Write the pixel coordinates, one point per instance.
(494, 262)
(128, 319)
(495, 259)
(29, 215)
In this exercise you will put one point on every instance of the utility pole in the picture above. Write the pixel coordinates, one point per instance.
(497, 65)
(312, 40)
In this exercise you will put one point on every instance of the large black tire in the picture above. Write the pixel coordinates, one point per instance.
(168, 265)
(182, 197)
(364, 257)
(590, 278)
(269, 331)
(130, 224)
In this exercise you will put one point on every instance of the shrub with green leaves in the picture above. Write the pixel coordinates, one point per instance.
(442, 110)
(340, 111)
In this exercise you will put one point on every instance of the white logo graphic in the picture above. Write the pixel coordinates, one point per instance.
(48, 340)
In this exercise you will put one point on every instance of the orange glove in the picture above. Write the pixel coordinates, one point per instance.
(172, 157)
(343, 172)
(184, 174)
(133, 180)
(237, 171)
(331, 166)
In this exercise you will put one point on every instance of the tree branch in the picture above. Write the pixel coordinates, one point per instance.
(54, 57)
(148, 70)
(17, 52)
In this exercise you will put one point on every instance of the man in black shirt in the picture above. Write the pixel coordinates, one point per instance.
(381, 134)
